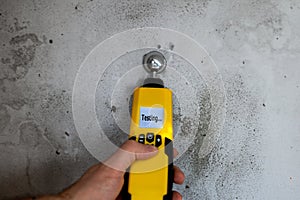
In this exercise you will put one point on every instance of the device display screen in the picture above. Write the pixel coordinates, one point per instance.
(151, 117)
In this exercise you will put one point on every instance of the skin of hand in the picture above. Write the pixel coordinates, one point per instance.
(105, 181)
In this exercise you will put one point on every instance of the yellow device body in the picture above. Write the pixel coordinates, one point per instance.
(151, 124)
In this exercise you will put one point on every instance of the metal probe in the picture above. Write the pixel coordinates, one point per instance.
(154, 63)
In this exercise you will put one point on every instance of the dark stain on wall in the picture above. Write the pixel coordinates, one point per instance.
(23, 53)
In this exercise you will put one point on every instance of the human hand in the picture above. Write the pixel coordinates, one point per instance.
(103, 182)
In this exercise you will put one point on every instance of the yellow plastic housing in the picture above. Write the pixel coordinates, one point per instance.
(148, 179)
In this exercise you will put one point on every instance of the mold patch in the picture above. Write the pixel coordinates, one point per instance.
(12, 25)
(22, 55)
(18, 26)
(240, 158)
(195, 7)
(55, 100)
(138, 11)
(235, 159)
(190, 159)
(263, 26)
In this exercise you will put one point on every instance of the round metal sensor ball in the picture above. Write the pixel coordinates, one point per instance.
(154, 62)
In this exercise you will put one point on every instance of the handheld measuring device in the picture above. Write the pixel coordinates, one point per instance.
(151, 124)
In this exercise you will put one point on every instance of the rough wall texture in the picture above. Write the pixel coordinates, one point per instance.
(255, 44)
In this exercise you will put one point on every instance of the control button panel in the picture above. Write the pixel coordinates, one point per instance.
(148, 138)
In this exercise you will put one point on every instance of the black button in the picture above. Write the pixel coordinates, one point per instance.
(150, 137)
(132, 138)
(142, 138)
(158, 140)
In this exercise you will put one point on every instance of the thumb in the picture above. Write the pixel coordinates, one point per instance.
(129, 152)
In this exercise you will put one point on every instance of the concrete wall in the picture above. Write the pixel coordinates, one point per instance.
(254, 44)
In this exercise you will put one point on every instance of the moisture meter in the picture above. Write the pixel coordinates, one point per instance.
(151, 124)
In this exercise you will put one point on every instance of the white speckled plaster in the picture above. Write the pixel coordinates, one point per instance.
(255, 44)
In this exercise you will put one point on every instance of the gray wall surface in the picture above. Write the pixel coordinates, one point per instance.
(255, 45)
